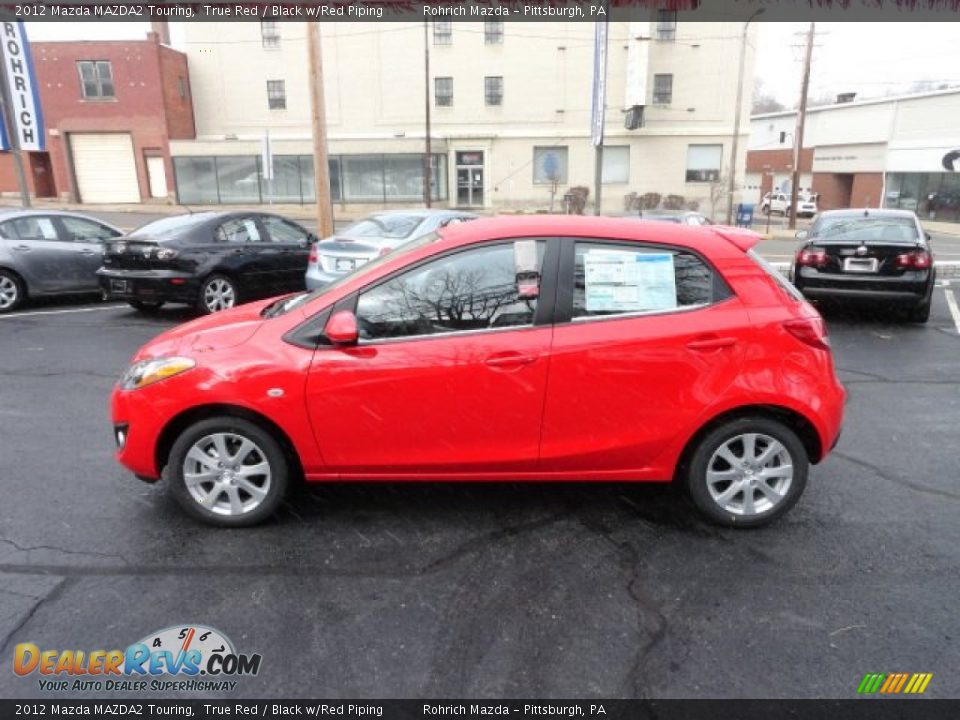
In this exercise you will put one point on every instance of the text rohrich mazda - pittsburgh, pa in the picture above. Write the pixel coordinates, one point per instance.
(541, 349)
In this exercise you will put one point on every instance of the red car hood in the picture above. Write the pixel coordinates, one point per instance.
(214, 332)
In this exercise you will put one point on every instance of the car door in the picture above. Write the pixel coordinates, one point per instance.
(449, 375)
(87, 238)
(646, 337)
(293, 243)
(48, 263)
(248, 255)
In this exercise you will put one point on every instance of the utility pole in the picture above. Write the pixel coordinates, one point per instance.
(798, 135)
(736, 118)
(598, 110)
(13, 135)
(318, 117)
(427, 157)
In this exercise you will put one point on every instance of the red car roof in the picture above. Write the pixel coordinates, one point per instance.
(709, 239)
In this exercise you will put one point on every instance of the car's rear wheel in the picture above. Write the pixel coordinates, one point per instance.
(146, 306)
(919, 313)
(217, 293)
(228, 471)
(12, 291)
(747, 472)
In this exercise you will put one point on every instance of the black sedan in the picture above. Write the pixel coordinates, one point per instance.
(877, 256)
(212, 260)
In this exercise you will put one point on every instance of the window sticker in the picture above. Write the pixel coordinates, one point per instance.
(618, 281)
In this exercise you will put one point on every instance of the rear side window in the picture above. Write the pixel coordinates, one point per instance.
(614, 279)
(770, 270)
(29, 228)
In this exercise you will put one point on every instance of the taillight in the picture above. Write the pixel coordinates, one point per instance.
(811, 331)
(916, 260)
(314, 254)
(812, 258)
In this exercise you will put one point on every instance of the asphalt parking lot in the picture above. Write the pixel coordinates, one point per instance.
(493, 591)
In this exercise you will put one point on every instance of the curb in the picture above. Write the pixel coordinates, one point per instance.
(945, 269)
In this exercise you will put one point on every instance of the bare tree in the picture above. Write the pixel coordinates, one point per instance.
(764, 101)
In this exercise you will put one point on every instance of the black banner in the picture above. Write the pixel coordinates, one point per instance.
(486, 709)
(481, 10)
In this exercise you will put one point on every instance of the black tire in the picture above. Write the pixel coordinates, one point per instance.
(919, 313)
(267, 449)
(694, 474)
(215, 281)
(145, 306)
(11, 284)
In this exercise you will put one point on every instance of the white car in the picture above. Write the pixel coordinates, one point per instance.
(779, 202)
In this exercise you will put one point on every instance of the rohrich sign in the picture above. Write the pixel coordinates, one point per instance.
(21, 89)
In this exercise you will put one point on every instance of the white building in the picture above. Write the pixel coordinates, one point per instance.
(510, 109)
(902, 152)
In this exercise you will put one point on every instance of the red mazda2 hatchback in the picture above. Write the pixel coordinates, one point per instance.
(541, 349)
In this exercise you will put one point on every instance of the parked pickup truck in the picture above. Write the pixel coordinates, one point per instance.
(779, 202)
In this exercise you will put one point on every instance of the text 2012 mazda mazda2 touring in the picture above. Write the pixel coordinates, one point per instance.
(553, 348)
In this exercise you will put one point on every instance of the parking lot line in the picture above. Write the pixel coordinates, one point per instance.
(954, 310)
(60, 312)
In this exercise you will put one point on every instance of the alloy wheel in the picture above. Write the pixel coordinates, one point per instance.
(227, 473)
(9, 292)
(219, 294)
(750, 474)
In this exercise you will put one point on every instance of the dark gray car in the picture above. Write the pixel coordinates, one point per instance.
(47, 252)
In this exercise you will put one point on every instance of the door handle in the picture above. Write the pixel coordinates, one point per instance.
(715, 343)
(509, 360)
(22, 248)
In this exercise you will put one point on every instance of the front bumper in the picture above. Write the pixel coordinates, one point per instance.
(141, 426)
(148, 285)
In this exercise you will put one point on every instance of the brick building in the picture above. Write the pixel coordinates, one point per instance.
(898, 152)
(110, 110)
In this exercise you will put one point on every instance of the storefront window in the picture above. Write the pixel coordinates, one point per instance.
(933, 196)
(239, 179)
(285, 185)
(196, 180)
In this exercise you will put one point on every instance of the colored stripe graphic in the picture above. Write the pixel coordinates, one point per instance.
(894, 683)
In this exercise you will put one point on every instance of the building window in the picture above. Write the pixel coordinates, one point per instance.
(277, 94)
(96, 79)
(616, 164)
(182, 87)
(493, 33)
(703, 163)
(662, 89)
(443, 32)
(270, 34)
(493, 90)
(550, 165)
(443, 91)
(666, 24)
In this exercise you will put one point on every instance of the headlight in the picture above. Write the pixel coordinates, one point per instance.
(166, 254)
(147, 372)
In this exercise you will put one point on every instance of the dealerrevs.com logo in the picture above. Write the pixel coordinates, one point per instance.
(177, 658)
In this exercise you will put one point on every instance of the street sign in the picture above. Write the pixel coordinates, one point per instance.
(266, 157)
(598, 112)
(22, 95)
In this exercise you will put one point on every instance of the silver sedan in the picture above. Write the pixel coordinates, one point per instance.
(374, 235)
(47, 252)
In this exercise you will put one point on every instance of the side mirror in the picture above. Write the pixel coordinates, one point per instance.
(802, 234)
(341, 328)
(928, 236)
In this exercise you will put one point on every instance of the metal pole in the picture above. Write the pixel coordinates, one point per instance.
(732, 186)
(798, 139)
(598, 176)
(318, 117)
(11, 128)
(427, 157)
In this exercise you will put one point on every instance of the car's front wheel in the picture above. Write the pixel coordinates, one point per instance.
(228, 471)
(747, 472)
(217, 293)
(11, 291)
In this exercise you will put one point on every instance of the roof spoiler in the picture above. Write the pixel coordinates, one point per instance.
(742, 238)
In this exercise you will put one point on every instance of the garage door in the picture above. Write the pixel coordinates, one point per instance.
(105, 168)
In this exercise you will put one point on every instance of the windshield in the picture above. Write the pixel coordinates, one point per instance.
(865, 228)
(170, 226)
(285, 305)
(389, 226)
